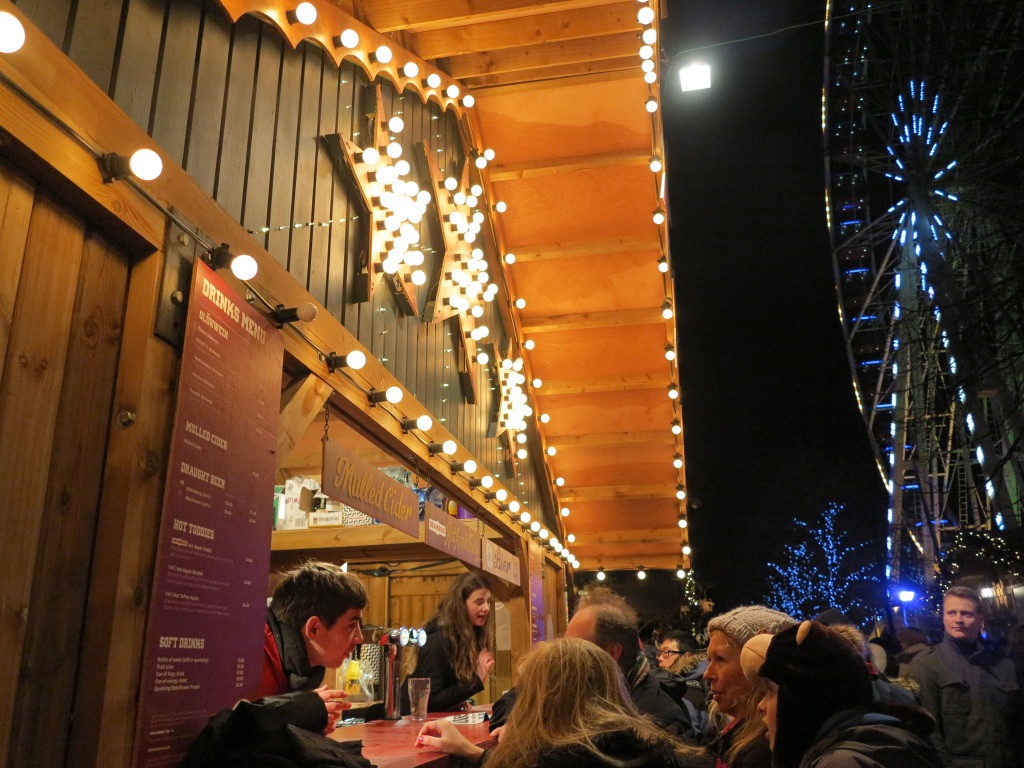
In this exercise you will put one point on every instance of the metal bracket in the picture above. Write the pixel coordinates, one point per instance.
(179, 254)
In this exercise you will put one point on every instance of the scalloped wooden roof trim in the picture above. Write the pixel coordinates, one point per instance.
(331, 22)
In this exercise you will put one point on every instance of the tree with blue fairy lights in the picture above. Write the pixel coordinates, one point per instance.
(823, 569)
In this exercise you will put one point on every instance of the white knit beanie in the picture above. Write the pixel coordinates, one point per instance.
(741, 624)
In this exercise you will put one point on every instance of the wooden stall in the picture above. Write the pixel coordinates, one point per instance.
(536, 140)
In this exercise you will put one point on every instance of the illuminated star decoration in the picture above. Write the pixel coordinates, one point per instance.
(464, 283)
(396, 207)
(513, 408)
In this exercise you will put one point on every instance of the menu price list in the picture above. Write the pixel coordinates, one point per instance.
(204, 640)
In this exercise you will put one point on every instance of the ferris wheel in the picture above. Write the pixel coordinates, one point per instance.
(923, 116)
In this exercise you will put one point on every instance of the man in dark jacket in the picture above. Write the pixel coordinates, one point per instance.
(605, 619)
(969, 689)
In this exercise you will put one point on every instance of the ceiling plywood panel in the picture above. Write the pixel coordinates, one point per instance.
(585, 118)
(609, 202)
(575, 354)
(579, 284)
(606, 412)
(609, 515)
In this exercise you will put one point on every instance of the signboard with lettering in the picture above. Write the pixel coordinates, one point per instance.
(204, 639)
(501, 563)
(535, 558)
(362, 486)
(451, 535)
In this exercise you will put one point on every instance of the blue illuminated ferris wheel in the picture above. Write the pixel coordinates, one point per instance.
(923, 124)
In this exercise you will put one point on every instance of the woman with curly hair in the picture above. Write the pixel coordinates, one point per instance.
(457, 656)
(573, 709)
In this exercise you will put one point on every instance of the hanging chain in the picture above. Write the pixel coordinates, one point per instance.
(327, 420)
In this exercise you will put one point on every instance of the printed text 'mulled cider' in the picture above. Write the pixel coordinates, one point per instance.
(370, 487)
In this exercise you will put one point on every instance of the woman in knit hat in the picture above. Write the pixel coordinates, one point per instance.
(742, 742)
(819, 710)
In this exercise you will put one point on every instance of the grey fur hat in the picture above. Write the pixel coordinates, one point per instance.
(741, 624)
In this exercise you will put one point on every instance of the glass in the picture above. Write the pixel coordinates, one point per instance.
(667, 652)
(419, 695)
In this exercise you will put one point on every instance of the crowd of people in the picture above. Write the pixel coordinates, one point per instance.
(765, 690)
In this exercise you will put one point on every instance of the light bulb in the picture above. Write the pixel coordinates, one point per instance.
(646, 52)
(650, 36)
(305, 13)
(449, 447)
(370, 156)
(410, 69)
(452, 91)
(535, 526)
(543, 533)
(468, 100)
(651, 105)
(12, 33)
(529, 344)
(146, 164)
(486, 481)
(655, 164)
(680, 493)
(500, 206)
(396, 124)
(520, 303)
(677, 428)
(383, 54)
(681, 574)
(501, 494)
(601, 575)
(510, 258)
(524, 518)
(469, 466)
(552, 450)
(682, 522)
(394, 150)
(645, 15)
(686, 549)
(641, 574)
(513, 506)
(424, 422)
(559, 481)
(349, 39)
(677, 461)
(393, 395)
(650, 77)
(419, 277)
(564, 511)
(433, 80)
(244, 267)
(658, 217)
(355, 360)
(571, 538)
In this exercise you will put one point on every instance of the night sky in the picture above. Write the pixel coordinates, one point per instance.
(771, 425)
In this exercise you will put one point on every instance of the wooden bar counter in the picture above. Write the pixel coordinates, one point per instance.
(392, 743)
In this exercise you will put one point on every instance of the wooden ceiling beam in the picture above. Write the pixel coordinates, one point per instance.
(535, 79)
(609, 439)
(586, 51)
(631, 562)
(588, 541)
(616, 493)
(535, 168)
(586, 320)
(425, 15)
(512, 33)
(590, 384)
(547, 251)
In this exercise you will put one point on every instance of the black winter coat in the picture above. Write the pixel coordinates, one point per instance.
(447, 692)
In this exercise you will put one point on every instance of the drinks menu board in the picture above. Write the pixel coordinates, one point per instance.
(204, 639)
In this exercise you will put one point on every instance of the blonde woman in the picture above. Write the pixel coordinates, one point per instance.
(573, 709)
(458, 655)
(742, 743)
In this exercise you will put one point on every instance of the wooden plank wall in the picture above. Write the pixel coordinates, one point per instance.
(59, 345)
(241, 112)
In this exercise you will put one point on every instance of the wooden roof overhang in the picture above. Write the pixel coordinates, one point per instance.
(560, 97)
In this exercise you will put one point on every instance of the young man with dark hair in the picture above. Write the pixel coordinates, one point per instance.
(968, 687)
(313, 622)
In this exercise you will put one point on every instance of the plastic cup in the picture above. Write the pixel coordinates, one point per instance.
(419, 695)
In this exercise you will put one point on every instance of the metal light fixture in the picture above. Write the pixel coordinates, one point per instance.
(422, 423)
(354, 360)
(391, 395)
(305, 313)
(243, 266)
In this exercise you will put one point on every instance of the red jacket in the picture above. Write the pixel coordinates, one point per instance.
(273, 680)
